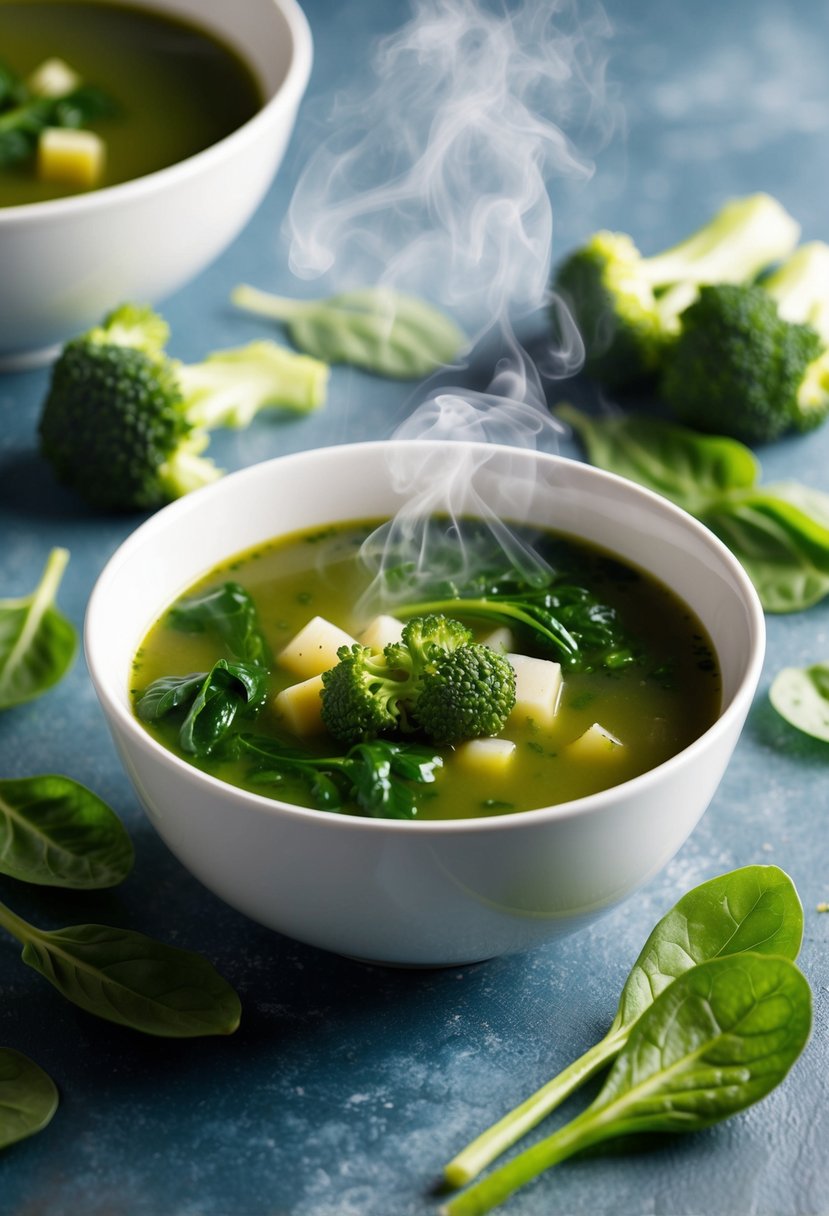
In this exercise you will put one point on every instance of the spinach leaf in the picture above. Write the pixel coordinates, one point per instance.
(376, 328)
(801, 696)
(568, 622)
(780, 532)
(130, 979)
(57, 833)
(689, 468)
(755, 908)
(784, 550)
(37, 643)
(374, 775)
(20, 127)
(214, 700)
(229, 614)
(169, 693)
(12, 89)
(28, 1097)
(719, 1039)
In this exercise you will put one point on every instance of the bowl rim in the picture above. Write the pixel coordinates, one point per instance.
(288, 94)
(512, 821)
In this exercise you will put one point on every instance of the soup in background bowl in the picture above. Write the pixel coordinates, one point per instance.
(65, 262)
(430, 892)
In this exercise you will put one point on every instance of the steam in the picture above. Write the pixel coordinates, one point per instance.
(435, 179)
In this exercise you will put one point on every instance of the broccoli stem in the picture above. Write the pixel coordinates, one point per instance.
(229, 387)
(742, 238)
(800, 288)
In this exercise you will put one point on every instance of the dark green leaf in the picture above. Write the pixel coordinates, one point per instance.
(325, 792)
(229, 614)
(57, 833)
(130, 979)
(755, 908)
(689, 468)
(20, 128)
(377, 329)
(717, 1040)
(228, 690)
(28, 1097)
(375, 770)
(84, 105)
(375, 775)
(167, 694)
(780, 533)
(801, 696)
(213, 700)
(784, 551)
(37, 643)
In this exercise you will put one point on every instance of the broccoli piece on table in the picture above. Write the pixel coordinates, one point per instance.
(435, 680)
(627, 306)
(124, 424)
(753, 361)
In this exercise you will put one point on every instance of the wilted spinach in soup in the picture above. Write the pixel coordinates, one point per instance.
(639, 680)
(174, 89)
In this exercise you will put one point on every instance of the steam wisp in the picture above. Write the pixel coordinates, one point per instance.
(435, 181)
(435, 178)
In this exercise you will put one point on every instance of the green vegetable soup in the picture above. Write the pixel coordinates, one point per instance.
(169, 89)
(652, 692)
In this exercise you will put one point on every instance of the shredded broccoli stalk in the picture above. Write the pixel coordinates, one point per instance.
(743, 237)
(230, 387)
(800, 288)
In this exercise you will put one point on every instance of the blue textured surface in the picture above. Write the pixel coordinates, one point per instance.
(348, 1086)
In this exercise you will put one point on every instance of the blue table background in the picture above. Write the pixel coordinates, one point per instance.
(348, 1086)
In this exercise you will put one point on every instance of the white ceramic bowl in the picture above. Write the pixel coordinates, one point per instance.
(65, 262)
(403, 892)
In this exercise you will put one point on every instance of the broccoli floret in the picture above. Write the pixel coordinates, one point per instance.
(464, 689)
(627, 306)
(361, 695)
(423, 640)
(751, 361)
(468, 692)
(124, 424)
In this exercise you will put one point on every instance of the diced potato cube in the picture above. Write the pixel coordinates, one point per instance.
(69, 157)
(300, 707)
(53, 78)
(537, 689)
(500, 640)
(595, 744)
(381, 632)
(314, 649)
(491, 757)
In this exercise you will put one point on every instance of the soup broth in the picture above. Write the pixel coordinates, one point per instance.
(654, 707)
(176, 90)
